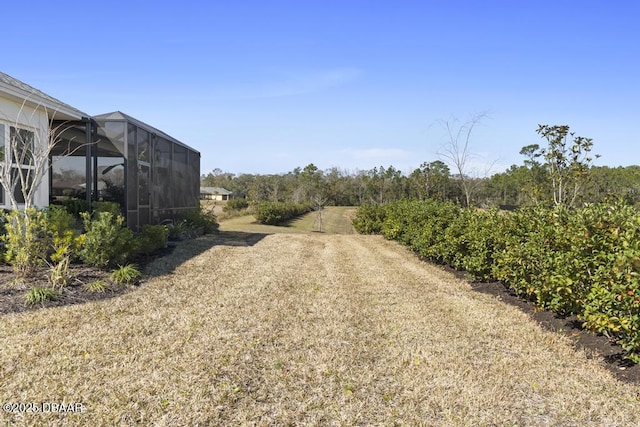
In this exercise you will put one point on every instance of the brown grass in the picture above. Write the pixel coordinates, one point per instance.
(303, 329)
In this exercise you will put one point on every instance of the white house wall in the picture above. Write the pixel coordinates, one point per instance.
(13, 113)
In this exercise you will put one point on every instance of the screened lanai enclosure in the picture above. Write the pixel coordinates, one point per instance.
(152, 176)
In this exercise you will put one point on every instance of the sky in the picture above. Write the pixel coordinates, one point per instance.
(267, 86)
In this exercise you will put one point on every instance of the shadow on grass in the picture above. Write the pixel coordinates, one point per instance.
(184, 250)
(285, 224)
(238, 238)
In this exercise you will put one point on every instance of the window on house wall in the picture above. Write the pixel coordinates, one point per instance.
(18, 152)
(21, 155)
(26, 177)
(2, 157)
(24, 145)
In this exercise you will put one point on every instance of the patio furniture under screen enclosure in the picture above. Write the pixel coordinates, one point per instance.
(152, 176)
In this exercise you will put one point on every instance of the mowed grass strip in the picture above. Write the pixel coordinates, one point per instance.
(335, 220)
(303, 329)
(331, 220)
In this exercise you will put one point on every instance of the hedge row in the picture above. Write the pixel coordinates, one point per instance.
(277, 213)
(584, 262)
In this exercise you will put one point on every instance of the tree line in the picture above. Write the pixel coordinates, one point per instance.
(559, 173)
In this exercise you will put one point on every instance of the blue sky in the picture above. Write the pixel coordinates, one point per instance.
(266, 86)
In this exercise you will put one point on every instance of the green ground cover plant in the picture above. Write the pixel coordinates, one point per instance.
(127, 274)
(38, 295)
(97, 286)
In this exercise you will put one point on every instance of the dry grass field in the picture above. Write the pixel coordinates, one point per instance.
(301, 329)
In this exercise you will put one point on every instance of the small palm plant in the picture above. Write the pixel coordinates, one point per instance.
(126, 275)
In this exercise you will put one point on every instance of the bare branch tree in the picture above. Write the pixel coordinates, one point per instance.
(457, 150)
(318, 205)
(24, 161)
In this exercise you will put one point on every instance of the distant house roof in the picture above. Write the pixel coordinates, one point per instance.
(215, 190)
(23, 93)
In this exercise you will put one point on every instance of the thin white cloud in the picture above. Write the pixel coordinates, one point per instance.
(290, 84)
(382, 154)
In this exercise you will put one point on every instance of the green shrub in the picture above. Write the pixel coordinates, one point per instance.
(369, 219)
(76, 206)
(111, 207)
(612, 305)
(3, 231)
(126, 275)
(487, 235)
(421, 225)
(236, 205)
(202, 219)
(454, 246)
(527, 262)
(107, 241)
(272, 213)
(65, 240)
(553, 254)
(613, 308)
(150, 238)
(60, 220)
(177, 230)
(33, 237)
(27, 241)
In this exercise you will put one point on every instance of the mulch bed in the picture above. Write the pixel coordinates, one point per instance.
(13, 289)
